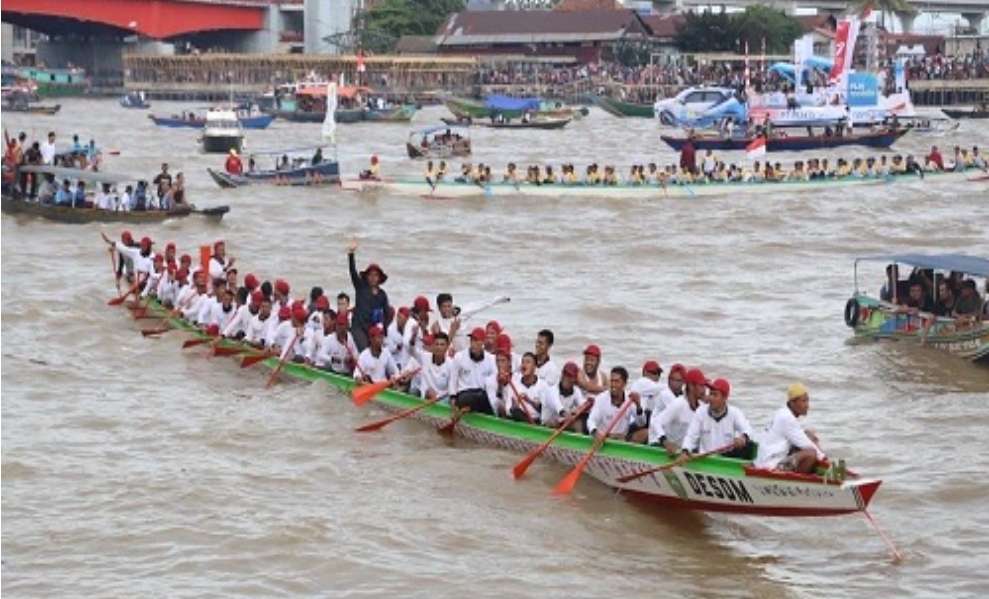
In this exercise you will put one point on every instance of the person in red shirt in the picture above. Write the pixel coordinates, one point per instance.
(935, 158)
(234, 166)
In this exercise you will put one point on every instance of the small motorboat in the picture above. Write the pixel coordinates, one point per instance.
(134, 100)
(295, 166)
(222, 132)
(439, 142)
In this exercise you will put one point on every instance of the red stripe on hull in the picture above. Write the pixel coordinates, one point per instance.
(708, 506)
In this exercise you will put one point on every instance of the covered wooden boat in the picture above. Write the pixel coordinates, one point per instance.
(510, 108)
(872, 318)
(439, 142)
(48, 109)
(711, 484)
(306, 103)
(790, 143)
(395, 114)
(652, 191)
(538, 122)
(624, 109)
(259, 121)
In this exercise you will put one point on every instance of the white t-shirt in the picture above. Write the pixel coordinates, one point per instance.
(435, 377)
(782, 435)
(257, 328)
(706, 433)
(395, 342)
(378, 368)
(459, 342)
(604, 411)
(567, 402)
(538, 406)
(47, 152)
(672, 422)
(471, 374)
(549, 372)
(239, 322)
(650, 394)
(335, 354)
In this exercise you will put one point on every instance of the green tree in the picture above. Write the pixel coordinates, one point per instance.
(706, 32)
(762, 22)
(381, 26)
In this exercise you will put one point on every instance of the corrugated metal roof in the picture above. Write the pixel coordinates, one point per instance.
(664, 26)
(535, 26)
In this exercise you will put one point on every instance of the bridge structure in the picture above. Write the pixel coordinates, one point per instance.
(974, 11)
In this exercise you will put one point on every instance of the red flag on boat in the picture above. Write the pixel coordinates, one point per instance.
(756, 148)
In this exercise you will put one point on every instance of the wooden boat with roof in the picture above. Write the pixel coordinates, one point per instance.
(874, 318)
(712, 484)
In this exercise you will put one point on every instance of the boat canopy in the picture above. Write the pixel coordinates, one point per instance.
(497, 102)
(435, 128)
(343, 91)
(75, 174)
(972, 265)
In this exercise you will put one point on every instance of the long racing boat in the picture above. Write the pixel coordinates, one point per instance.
(794, 143)
(712, 484)
(652, 191)
(877, 319)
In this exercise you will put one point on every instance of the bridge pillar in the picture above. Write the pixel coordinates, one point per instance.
(906, 21)
(975, 20)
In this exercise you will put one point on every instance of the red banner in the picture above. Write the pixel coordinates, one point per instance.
(840, 44)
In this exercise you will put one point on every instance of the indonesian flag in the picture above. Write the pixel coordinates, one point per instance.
(756, 148)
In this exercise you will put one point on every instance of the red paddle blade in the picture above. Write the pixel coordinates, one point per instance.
(117, 301)
(568, 482)
(365, 393)
(228, 351)
(377, 425)
(252, 360)
(519, 470)
(194, 342)
(150, 332)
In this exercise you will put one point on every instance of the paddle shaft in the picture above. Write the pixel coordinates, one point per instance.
(523, 465)
(568, 482)
(281, 361)
(674, 463)
(379, 424)
(520, 401)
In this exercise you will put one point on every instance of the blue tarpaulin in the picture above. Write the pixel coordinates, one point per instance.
(509, 103)
(972, 265)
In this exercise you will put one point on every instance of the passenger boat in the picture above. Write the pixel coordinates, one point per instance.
(47, 109)
(537, 122)
(68, 214)
(624, 109)
(299, 171)
(257, 121)
(134, 100)
(452, 189)
(790, 143)
(222, 132)
(306, 103)
(975, 113)
(872, 318)
(710, 484)
(508, 107)
(439, 142)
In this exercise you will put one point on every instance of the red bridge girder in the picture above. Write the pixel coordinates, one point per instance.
(158, 19)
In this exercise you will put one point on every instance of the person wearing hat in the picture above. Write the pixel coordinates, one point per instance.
(674, 385)
(280, 295)
(448, 321)
(233, 165)
(437, 370)
(786, 445)
(650, 390)
(416, 329)
(168, 286)
(568, 396)
(337, 351)
(718, 425)
(472, 367)
(260, 324)
(370, 300)
(375, 362)
(528, 397)
(503, 343)
(668, 428)
(286, 337)
(491, 331)
(545, 366)
(154, 277)
(140, 257)
(221, 311)
(219, 263)
(496, 385)
(190, 303)
(237, 327)
(592, 380)
(608, 403)
(395, 337)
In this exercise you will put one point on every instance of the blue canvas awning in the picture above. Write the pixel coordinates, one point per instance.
(971, 265)
(509, 103)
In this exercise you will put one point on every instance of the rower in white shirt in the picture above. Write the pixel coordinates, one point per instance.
(417, 328)
(395, 337)
(673, 387)
(668, 428)
(608, 403)
(717, 425)
(168, 286)
(437, 370)
(650, 390)
(546, 368)
(472, 367)
(528, 398)
(568, 396)
(786, 445)
(592, 379)
(338, 352)
(257, 328)
(222, 310)
(447, 321)
(154, 277)
(287, 338)
(503, 343)
(237, 326)
(140, 257)
(219, 263)
(375, 363)
(496, 385)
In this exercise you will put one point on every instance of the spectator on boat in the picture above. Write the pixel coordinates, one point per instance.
(48, 189)
(917, 299)
(177, 192)
(945, 299)
(251, 165)
(77, 148)
(317, 157)
(162, 182)
(785, 445)
(29, 181)
(977, 160)
(63, 197)
(140, 197)
(371, 301)
(935, 158)
(127, 200)
(233, 164)
(48, 149)
(969, 304)
(79, 197)
(373, 171)
(103, 200)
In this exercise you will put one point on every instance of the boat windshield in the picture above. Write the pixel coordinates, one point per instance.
(224, 124)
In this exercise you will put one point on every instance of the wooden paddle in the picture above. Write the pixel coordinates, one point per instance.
(365, 393)
(568, 482)
(113, 268)
(120, 299)
(519, 470)
(380, 424)
(673, 464)
(520, 401)
(195, 342)
(158, 331)
(448, 428)
(230, 351)
(281, 361)
(252, 360)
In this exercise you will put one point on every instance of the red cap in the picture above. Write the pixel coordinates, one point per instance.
(376, 331)
(503, 341)
(678, 368)
(257, 297)
(694, 376)
(281, 286)
(478, 334)
(428, 339)
(182, 273)
(213, 330)
(343, 319)
(172, 268)
(652, 367)
(250, 281)
(146, 241)
(284, 313)
(218, 243)
(170, 245)
(592, 350)
(299, 313)
(185, 259)
(374, 266)
(493, 326)
(571, 369)
(322, 303)
(421, 304)
(720, 385)
(404, 311)
(298, 304)
(126, 237)
(159, 258)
